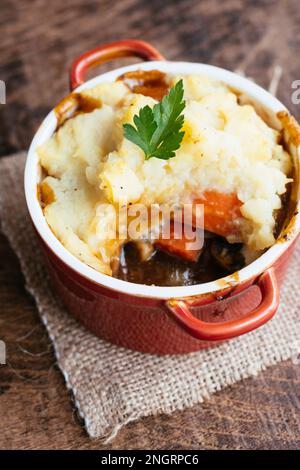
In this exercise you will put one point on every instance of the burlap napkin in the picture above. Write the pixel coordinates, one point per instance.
(113, 386)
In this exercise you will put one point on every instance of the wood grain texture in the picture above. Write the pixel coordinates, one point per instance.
(39, 39)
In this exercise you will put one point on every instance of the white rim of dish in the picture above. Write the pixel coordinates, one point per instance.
(47, 128)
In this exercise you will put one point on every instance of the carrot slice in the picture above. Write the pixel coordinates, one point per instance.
(221, 210)
(178, 246)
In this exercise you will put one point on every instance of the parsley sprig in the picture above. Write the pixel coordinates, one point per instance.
(158, 131)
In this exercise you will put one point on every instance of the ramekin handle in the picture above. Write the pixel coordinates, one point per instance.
(108, 52)
(220, 331)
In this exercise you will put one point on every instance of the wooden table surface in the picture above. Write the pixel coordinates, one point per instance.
(39, 39)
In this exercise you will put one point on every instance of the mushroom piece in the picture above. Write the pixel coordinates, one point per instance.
(227, 255)
(145, 249)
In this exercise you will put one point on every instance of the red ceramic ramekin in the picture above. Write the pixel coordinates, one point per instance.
(166, 320)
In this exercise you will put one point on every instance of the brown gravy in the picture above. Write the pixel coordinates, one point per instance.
(218, 259)
(73, 104)
(146, 82)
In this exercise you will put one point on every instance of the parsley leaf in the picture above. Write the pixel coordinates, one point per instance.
(158, 130)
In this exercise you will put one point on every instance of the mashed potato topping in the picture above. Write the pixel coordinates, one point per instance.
(227, 148)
